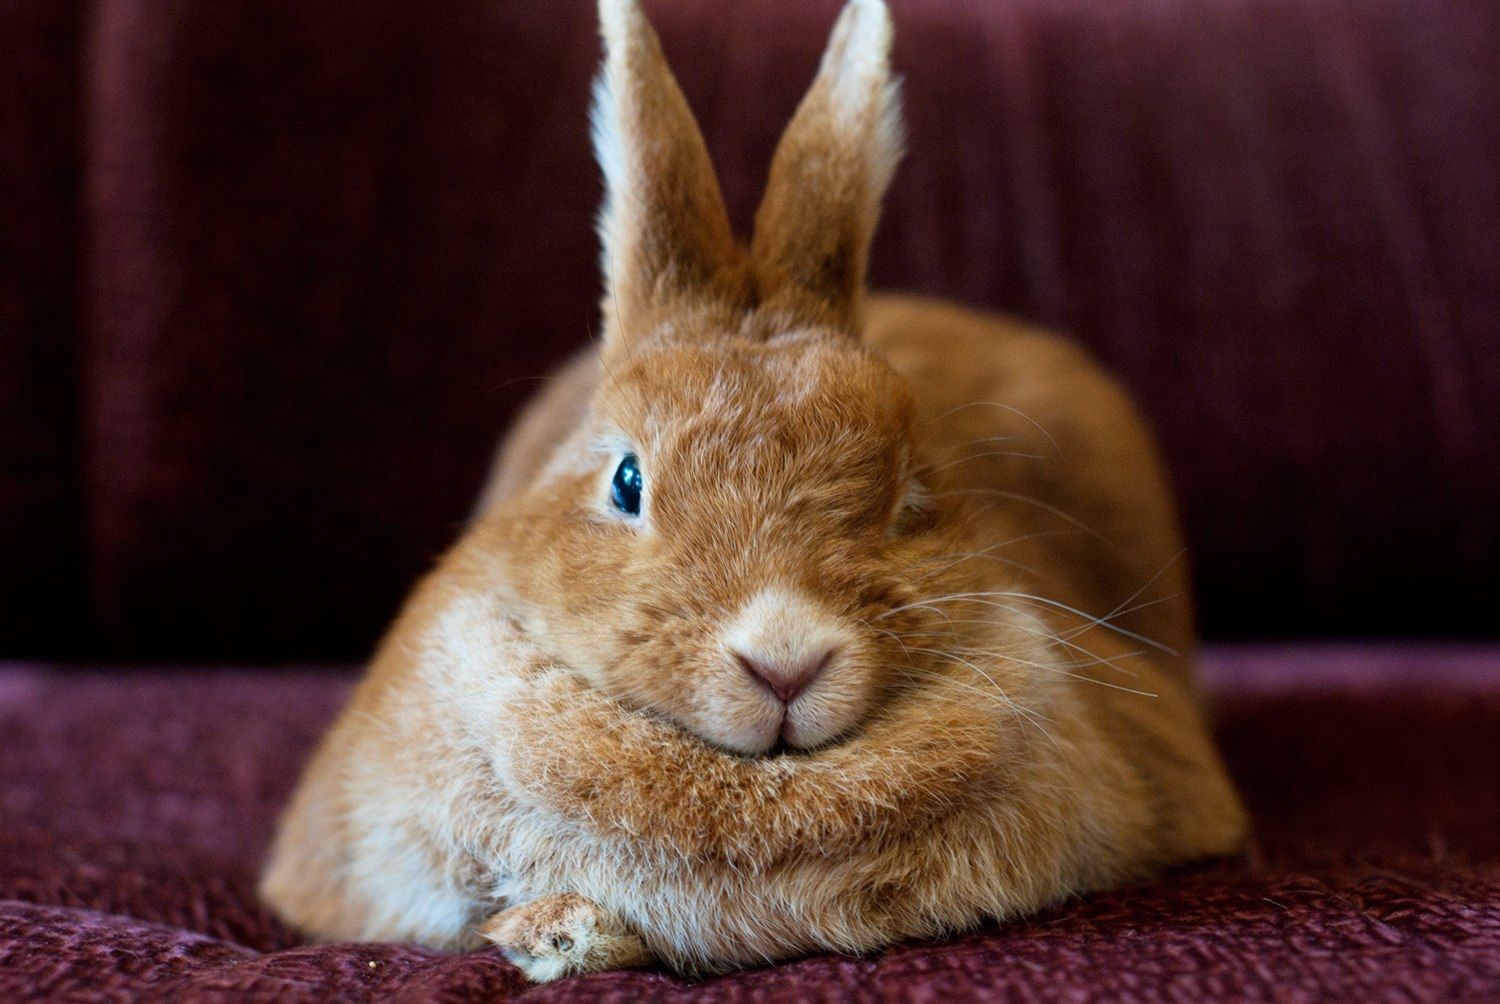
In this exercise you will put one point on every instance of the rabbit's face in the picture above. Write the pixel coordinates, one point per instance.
(719, 538)
(714, 543)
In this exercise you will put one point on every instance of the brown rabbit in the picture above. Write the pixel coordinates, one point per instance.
(791, 620)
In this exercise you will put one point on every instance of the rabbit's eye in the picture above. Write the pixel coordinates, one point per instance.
(625, 489)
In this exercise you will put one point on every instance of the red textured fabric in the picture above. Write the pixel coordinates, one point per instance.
(272, 278)
(134, 810)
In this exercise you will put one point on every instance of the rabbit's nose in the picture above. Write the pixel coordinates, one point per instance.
(784, 679)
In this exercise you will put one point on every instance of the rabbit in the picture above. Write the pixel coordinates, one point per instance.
(793, 619)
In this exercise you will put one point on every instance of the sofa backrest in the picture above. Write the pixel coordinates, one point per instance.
(275, 277)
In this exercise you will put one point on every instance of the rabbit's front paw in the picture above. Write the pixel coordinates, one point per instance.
(564, 935)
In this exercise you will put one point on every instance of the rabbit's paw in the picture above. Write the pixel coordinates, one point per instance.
(564, 935)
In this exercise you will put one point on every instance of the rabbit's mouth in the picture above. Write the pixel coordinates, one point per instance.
(781, 749)
(744, 718)
(792, 735)
(785, 746)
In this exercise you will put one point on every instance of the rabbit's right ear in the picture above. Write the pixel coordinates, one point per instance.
(666, 244)
(813, 229)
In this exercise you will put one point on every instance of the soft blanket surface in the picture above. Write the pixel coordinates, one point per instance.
(135, 805)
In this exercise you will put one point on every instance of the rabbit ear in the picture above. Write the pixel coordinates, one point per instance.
(666, 240)
(813, 228)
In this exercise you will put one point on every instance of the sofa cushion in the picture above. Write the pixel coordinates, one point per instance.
(134, 810)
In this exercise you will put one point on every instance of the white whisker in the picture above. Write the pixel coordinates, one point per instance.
(985, 598)
(1008, 701)
(1013, 410)
(1030, 500)
(955, 559)
(939, 468)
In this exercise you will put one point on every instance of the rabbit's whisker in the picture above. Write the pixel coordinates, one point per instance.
(939, 468)
(985, 598)
(1029, 500)
(999, 692)
(955, 559)
(1061, 670)
(1006, 407)
(1123, 608)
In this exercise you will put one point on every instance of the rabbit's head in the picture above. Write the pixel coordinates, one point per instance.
(728, 535)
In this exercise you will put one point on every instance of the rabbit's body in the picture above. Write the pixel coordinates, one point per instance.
(859, 642)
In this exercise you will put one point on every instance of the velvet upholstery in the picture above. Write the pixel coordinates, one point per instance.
(134, 809)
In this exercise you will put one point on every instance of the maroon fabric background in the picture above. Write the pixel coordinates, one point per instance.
(134, 809)
(272, 278)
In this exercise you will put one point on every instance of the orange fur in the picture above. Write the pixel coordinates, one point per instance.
(961, 521)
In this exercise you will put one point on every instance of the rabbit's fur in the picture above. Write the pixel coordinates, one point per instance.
(952, 530)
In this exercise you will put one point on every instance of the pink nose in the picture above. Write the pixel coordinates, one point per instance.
(786, 682)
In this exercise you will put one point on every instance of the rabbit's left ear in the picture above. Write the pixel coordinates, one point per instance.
(666, 244)
(830, 171)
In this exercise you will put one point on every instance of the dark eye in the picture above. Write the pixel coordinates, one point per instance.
(625, 489)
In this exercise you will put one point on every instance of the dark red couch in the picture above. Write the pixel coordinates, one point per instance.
(273, 277)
